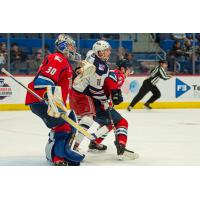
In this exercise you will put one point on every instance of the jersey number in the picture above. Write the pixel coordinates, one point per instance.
(51, 70)
(98, 82)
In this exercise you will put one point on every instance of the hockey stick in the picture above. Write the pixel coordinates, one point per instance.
(127, 153)
(63, 116)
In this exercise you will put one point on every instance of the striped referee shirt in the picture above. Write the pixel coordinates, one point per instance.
(158, 73)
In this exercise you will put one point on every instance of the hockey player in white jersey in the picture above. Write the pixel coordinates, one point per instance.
(83, 104)
(88, 85)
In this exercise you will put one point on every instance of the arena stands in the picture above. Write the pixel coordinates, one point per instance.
(26, 50)
(187, 42)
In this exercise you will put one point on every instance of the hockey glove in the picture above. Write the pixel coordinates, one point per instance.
(117, 96)
(84, 70)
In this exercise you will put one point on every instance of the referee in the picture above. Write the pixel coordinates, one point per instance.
(149, 84)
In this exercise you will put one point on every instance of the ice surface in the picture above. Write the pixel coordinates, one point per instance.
(161, 137)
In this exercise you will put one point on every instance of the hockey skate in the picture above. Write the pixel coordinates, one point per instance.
(62, 162)
(129, 108)
(93, 146)
(124, 153)
(147, 106)
(57, 161)
(66, 163)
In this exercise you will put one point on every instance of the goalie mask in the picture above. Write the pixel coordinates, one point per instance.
(66, 45)
(102, 49)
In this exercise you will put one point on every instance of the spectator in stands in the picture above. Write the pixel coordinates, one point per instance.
(34, 63)
(3, 54)
(46, 50)
(3, 48)
(187, 48)
(175, 53)
(18, 60)
(188, 52)
(129, 60)
(134, 65)
(16, 54)
(120, 54)
(198, 47)
(176, 50)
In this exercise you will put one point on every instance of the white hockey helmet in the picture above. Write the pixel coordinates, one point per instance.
(66, 45)
(101, 46)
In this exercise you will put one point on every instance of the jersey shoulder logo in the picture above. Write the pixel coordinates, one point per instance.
(113, 76)
(102, 67)
(58, 58)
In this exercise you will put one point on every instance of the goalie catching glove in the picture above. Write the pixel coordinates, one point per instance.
(56, 106)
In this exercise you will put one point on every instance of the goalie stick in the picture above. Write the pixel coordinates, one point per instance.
(64, 115)
(127, 153)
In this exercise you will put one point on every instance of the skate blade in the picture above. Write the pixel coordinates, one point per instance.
(96, 151)
(120, 157)
(128, 156)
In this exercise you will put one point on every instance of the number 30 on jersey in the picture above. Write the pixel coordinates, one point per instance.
(51, 70)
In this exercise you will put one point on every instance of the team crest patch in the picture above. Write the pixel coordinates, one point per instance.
(101, 67)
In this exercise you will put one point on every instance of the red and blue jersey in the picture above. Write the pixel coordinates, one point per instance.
(55, 70)
(120, 77)
(114, 81)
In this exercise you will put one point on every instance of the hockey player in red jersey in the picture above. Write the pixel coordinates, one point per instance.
(107, 115)
(56, 71)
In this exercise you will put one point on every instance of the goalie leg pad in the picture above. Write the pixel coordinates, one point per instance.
(62, 148)
(49, 147)
(58, 146)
